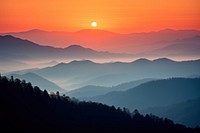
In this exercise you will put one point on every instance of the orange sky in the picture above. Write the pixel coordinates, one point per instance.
(123, 16)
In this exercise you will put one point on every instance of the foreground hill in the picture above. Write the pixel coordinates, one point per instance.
(28, 109)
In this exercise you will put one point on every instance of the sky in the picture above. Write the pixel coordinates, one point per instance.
(122, 16)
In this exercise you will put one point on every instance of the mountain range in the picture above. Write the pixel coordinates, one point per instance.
(25, 50)
(153, 93)
(25, 108)
(174, 98)
(17, 48)
(92, 90)
(102, 40)
(18, 52)
(39, 81)
(77, 74)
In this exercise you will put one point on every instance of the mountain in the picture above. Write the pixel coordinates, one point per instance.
(88, 91)
(132, 84)
(25, 108)
(188, 47)
(18, 50)
(107, 41)
(154, 93)
(92, 90)
(77, 74)
(39, 81)
(24, 49)
(186, 113)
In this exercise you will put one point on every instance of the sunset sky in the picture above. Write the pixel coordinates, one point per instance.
(123, 16)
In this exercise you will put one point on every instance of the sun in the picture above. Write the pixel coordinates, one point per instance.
(94, 24)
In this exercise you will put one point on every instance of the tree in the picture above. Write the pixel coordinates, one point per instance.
(57, 94)
(12, 78)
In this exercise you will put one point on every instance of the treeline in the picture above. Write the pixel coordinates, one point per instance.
(25, 108)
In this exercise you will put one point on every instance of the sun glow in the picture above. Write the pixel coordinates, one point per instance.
(94, 24)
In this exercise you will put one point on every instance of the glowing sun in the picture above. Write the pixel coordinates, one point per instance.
(94, 24)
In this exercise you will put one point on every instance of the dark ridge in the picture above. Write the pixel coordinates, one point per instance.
(25, 108)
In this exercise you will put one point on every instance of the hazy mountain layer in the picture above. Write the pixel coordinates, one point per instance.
(81, 73)
(91, 90)
(108, 41)
(154, 93)
(39, 81)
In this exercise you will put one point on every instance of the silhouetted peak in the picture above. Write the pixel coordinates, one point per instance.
(35, 31)
(58, 65)
(163, 60)
(81, 62)
(75, 47)
(12, 38)
(141, 60)
(7, 37)
(78, 48)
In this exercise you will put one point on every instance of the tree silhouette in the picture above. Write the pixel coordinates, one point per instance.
(25, 108)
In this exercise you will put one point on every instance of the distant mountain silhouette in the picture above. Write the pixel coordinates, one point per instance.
(25, 108)
(39, 81)
(186, 113)
(154, 93)
(18, 50)
(28, 50)
(77, 74)
(183, 47)
(108, 41)
(92, 90)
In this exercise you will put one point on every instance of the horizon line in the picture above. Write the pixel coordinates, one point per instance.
(37, 29)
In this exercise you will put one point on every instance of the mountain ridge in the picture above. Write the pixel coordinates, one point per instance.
(101, 39)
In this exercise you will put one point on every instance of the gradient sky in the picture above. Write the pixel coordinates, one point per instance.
(123, 16)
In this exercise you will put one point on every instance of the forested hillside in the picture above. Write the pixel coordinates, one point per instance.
(25, 108)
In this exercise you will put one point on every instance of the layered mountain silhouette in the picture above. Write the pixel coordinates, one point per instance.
(92, 90)
(188, 47)
(17, 48)
(17, 52)
(77, 74)
(117, 84)
(154, 93)
(108, 41)
(25, 108)
(39, 81)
